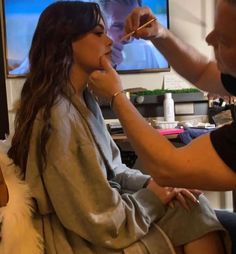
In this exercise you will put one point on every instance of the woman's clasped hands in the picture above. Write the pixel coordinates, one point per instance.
(168, 194)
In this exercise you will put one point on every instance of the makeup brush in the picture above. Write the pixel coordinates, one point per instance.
(139, 28)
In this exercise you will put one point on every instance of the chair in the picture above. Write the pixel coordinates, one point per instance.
(18, 234)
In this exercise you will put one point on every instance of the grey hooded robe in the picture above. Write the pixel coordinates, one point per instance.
(87, 201)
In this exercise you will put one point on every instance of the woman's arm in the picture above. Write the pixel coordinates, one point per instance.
(132, 180)
(196, 165)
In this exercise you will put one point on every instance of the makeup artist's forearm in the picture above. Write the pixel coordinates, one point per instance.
(147, 142)
(187, 61)
(187, 166)
(190, 63)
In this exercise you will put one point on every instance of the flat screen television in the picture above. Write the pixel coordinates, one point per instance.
(4, 124)
(133, 56)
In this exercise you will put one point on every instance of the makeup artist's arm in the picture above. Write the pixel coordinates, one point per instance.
(185, 59)
(196, 165)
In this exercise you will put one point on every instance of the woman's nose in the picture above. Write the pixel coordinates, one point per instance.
(110, 41)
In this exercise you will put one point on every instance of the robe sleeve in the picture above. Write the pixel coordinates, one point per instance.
(130, 180)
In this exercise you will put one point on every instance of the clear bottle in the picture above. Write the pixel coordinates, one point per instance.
(169, 108)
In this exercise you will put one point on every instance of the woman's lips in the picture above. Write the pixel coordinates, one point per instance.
(108, 53)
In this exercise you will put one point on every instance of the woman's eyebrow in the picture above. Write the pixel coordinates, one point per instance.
(101, 26)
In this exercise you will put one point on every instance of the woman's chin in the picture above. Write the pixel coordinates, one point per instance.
(109, 58)
(223, 69)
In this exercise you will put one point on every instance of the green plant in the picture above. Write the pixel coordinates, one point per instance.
(163, 91)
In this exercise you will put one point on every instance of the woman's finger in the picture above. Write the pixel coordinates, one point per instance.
(182, 201)
(189, 195)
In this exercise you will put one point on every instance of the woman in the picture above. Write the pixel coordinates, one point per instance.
(87, 201)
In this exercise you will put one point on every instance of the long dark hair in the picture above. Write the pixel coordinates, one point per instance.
(50, 59)
(232, 1)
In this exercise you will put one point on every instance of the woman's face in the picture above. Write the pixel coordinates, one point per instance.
(89, 48)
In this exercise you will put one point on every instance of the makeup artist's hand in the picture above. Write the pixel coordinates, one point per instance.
(105, 83)
(138, 17)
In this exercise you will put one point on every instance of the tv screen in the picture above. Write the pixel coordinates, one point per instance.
(4, 124)
(130, 56)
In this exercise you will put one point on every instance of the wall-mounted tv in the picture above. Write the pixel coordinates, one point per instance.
(4, 124)
(133, 56)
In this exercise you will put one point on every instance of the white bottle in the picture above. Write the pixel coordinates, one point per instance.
(169, 108)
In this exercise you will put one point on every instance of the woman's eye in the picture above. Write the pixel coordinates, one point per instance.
(224, 44)
(99, 33)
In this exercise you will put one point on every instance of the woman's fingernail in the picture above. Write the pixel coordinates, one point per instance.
(171, 204)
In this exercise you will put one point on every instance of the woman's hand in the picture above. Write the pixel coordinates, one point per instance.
(165, 194)
(105, 83)
(168, 194)
(138, 17)
(185, 195)
(3, 190)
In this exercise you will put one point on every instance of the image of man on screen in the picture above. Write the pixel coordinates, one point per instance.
(21, 19)
(134, 54)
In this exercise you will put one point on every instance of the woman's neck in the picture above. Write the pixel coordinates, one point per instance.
(79, 80)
